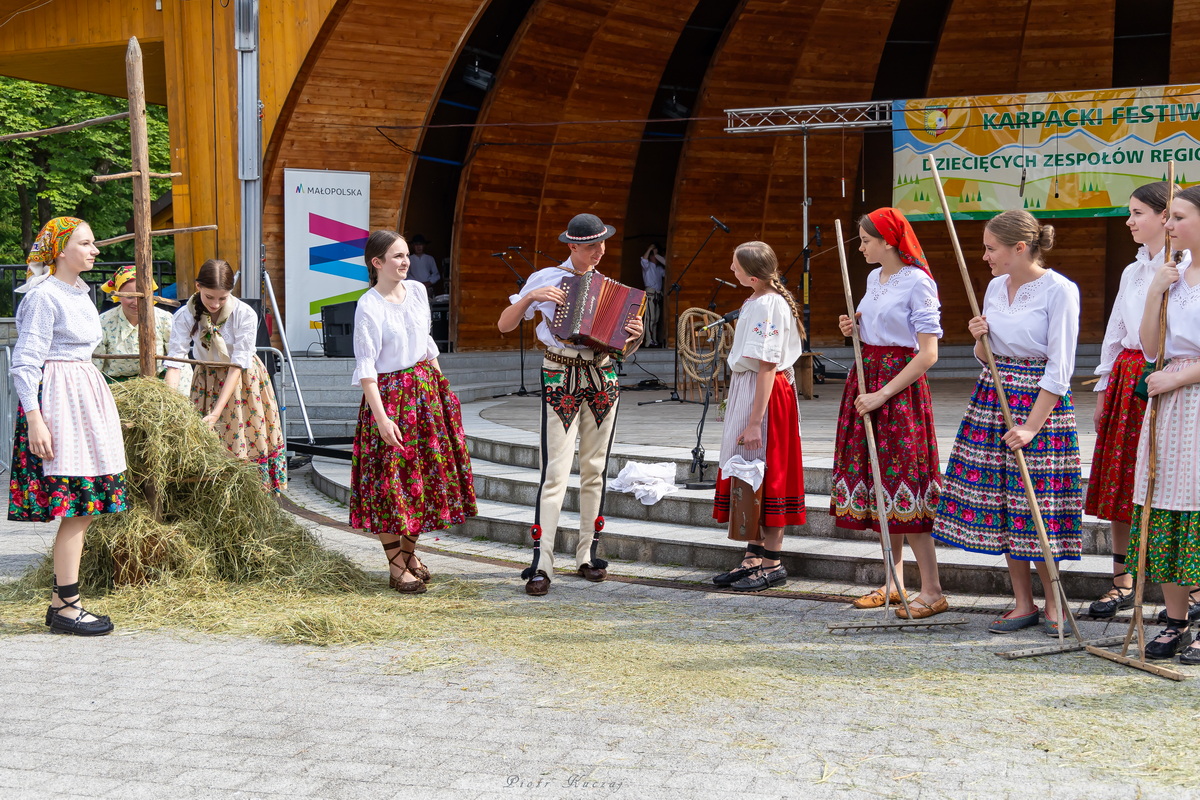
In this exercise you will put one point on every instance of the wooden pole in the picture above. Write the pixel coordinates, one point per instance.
(124, 237)
(885, 537)
(143, 253)
(1002, 399)
(8, 137)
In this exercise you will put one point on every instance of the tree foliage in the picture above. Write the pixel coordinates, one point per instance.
(50, 176)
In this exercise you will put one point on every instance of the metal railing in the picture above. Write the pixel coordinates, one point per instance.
(13, 275)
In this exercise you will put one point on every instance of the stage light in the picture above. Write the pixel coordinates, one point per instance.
(480, 78)
(674, 109)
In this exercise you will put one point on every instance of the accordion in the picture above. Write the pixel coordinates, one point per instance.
(596, 311)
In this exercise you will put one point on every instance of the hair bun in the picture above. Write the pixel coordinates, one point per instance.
(1045, 239)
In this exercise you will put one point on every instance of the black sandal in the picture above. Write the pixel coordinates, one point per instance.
(76, 626)
(1178, 637)
(763, 577)
(416, 586)
(1193, 608)
(737, 573)
(1190, 654)
(1114, 600)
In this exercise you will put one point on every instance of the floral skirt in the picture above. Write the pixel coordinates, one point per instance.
(249, 424)
(426, 483)
(907, 443)
(1173, 544)
(36, 497)
(1110, 486)
(983, 507)
(783, 482)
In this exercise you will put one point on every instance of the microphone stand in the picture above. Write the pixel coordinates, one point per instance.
(675, 288)
(522, 391)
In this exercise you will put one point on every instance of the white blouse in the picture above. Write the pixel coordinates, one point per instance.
(392, 336)
(1041, 322)
(1183, 320)
(55, 322)
(550, 276)
(1125, 321)
(240, 333)
(893, 313)
(766, 331)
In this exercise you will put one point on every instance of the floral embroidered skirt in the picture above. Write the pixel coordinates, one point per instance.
(783, 481)
(1110, 486)
(907, 443)
(426, 483)
(983, 507)
(249, 424)
(37, 497)
(1173, 546)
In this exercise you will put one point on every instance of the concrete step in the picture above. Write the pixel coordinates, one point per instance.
(814, 557)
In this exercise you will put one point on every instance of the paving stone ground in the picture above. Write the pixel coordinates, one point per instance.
(690, 694)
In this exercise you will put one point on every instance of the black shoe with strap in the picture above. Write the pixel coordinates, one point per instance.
(85, 624)
(737, 573)
(1116, 599)
(1176, 637)
(763, 577)
(1193, 608)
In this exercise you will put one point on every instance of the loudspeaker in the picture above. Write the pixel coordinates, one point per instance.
(337, 329)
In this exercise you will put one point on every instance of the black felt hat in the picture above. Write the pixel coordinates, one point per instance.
(585, 229)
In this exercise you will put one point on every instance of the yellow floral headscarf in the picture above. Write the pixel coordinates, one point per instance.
(48, 245)
(122, 276)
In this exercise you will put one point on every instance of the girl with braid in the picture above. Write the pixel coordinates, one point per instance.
(762, 417)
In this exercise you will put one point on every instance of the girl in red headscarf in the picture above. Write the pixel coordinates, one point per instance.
(899, 324)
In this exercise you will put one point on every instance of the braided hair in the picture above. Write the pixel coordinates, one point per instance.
(758, 260)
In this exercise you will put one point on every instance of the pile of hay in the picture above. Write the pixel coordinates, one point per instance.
(195, 513)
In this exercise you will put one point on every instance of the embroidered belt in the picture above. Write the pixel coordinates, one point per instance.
(556, 356)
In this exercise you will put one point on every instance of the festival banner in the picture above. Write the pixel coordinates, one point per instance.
(326, 219)
(1056, 154)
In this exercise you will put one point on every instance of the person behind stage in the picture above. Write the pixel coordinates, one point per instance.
(899, 322)
(422, 266)
(579, 399)
(1119, 410)
(1031, 315)
(238, 402)
(654, 272)
(120, 330)
(68, 452)
(762, 416)
(410, 472)
(1173, 537)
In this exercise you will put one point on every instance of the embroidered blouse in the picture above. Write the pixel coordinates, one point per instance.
(121, 338)
(391, 336)
(1041, 322)
(240, 332)
(893, 313)
(55, 322)
(550, 276)
(766, 331)
(1125, 321)
(1183, 318)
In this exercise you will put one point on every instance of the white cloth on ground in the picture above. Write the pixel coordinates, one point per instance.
(649, 483)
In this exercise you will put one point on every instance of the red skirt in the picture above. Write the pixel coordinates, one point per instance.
(907, 443)
(1110, 485)
(783, 484)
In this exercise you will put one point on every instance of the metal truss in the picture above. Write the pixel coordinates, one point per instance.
(827, 116)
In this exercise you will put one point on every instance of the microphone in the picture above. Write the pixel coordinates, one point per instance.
(730, 317)
(818, 236)
(725, 283)
(501, 254)
(1021, 191)
(719, 224)
(514, 248)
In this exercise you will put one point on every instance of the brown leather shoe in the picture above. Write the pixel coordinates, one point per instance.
(538, 585)
(590, 573)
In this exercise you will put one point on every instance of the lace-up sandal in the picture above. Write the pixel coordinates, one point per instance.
(401, 558)
(763, 577)
(1193, 608)
(85, 624)
(737, 573)
(420, 570)
(1115, 599)
(1177, 638)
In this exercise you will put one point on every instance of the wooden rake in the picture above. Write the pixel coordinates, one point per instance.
(1026, 481)
(890, 577)
(1137, 623)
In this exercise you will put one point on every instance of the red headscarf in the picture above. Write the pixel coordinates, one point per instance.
(897, 232)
